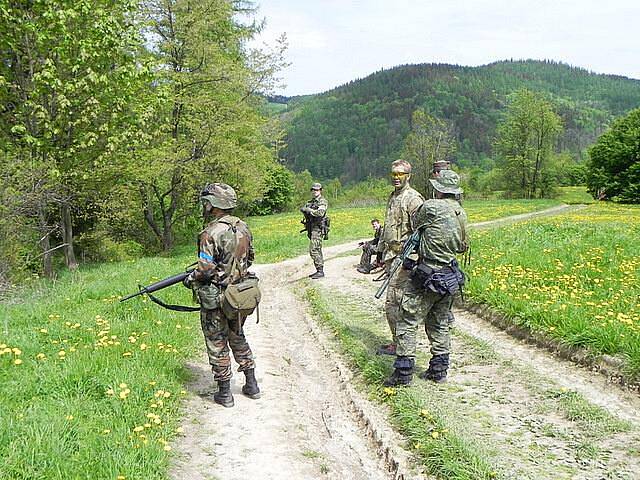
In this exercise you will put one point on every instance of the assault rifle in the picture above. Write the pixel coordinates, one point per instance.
(308, 223)
(167, 282)
(408, 248)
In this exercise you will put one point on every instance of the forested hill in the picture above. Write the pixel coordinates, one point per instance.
(355, 130)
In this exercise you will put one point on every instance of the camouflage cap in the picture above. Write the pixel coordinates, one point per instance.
(401, 166)
(220, 195)
(440, 165)
(316, 186)
(447, 181)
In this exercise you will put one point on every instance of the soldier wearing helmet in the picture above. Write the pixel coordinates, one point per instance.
(315, 223)
(402, 204)
(225, 253)
(435, 279)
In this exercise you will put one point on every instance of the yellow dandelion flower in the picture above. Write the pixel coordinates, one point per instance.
(167, 448)
(17, 361)
(435, 434)
(69, 417)
(138, 428)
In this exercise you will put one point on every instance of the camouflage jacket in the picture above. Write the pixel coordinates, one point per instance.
(444, 224)
(318, 207)
(225, 251)
(401, 206)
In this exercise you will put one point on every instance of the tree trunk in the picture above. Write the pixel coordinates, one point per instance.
(45, 243)
(67, 237)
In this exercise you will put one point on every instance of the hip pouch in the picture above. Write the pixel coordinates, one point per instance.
(208, 296)
(241, 298)
(446, 281)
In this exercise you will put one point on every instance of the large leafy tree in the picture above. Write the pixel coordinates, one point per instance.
(68, 77)
(429, 141)
(525, 145)
(208, 125)
(614, 166)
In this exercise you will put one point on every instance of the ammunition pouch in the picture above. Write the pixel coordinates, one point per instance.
(326, 227)
(445, 281)
(208, 296)
(241, 298)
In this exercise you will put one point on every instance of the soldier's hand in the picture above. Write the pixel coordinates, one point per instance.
(188, 280)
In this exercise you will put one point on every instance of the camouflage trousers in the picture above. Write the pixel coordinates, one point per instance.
(315, 248)
(432, 309)
(220, 334)
(367, 252)
(393, 301)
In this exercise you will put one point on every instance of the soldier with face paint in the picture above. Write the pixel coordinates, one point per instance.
(225, 253)
(402, 204)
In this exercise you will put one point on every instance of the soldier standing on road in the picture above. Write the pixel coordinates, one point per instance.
(225, 253)
(435, 279)
(402, 204)
(315, 215)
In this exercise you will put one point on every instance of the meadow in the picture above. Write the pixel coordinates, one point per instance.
(277, 237)
(573, 277)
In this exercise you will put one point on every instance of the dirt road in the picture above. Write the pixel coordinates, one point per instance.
(310, 423)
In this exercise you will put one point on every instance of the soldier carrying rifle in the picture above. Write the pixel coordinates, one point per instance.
(316, 224)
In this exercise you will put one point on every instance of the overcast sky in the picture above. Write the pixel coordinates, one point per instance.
(334, 41)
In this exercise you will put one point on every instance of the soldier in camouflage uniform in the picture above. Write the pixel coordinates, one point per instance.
(315, 211)
(369, 248)
(427, 298)
(402, 204)
(225, 252)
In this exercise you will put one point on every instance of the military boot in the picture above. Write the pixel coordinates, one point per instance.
(389, 349)
(250, 388)
(437, 371)
(223, 395)
(403, 373)
(364, 268)
(319, 273)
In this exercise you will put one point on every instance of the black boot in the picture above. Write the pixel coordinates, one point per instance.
(403, 373)
(250, 388)
(319, 273)
(364, 269)
(223, 395)
(437, 371)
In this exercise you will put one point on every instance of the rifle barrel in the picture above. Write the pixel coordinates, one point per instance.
(154, 287)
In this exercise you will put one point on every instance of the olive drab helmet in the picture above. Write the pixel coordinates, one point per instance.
(219, 195)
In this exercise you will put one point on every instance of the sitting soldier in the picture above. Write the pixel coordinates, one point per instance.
(368, 249)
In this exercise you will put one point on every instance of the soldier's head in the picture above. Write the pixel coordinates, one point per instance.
(440, 165)
(446, 184)
(316, 190)
(375, 223)
(400, 173)
(218, 199)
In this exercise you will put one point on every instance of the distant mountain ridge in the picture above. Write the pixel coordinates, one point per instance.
(355, 130)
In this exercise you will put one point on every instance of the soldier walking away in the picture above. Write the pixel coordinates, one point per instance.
(317, 228)
(225, 253)
(369, 248)
(403, 202)
(434, 279)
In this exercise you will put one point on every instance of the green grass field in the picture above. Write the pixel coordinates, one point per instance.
(573, 277)
(277, 237)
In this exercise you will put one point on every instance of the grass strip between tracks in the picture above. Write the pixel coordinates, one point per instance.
(438, 442)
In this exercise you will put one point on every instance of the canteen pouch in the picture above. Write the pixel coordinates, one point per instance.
(241, 298)
(208, 296)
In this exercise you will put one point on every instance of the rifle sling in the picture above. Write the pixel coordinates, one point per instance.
(168, 306)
